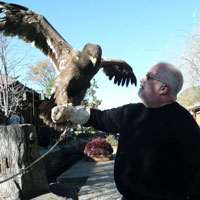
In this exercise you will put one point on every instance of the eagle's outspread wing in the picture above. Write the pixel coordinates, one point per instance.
(120, 70)
(34, 28)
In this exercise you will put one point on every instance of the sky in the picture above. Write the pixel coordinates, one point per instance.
(141, 32)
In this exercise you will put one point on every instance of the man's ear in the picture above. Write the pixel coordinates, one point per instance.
(164, 89)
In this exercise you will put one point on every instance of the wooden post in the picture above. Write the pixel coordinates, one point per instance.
(18, 149)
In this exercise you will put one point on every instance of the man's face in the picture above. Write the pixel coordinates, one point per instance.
(149, 88)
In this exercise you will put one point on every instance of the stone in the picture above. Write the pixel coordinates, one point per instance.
(51, 196)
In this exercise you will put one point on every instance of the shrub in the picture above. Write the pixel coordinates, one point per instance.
(111, 140)
(98, 147)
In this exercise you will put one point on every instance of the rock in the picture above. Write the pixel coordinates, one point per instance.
(51, 196)
(17, 151)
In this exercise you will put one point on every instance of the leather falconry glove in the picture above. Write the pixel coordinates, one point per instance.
(74, 114)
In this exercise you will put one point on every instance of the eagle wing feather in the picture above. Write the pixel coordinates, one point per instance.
(119, 70)
(34, 28)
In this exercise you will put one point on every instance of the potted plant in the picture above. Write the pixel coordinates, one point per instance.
(98, 149)
(112, 141)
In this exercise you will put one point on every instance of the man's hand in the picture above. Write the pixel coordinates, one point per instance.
(75, 114)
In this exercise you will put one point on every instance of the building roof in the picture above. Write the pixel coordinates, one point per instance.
(190, 97)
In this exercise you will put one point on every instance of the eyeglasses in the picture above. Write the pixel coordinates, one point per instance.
(151, 77)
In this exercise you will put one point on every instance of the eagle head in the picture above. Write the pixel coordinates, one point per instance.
(94, 53)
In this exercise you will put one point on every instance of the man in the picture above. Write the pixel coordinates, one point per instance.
(158, 156)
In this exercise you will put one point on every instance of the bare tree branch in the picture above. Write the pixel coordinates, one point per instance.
(11, 91)
(189, 59)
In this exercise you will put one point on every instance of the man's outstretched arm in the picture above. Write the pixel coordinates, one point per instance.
(74, 114)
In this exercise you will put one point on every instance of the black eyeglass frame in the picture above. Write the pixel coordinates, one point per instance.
(150, 76)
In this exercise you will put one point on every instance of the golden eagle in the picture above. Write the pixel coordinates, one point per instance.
(75, 68)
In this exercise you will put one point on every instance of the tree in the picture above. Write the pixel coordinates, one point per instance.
(11, 91)
(189, 63)
(43, 74)
(90, 99)
(189, 58)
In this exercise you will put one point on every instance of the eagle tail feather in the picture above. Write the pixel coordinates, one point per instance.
(45, 114)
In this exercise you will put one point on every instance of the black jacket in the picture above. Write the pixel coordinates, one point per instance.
(158, 154)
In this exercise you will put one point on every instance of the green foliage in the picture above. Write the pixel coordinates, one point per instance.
(43, 74)
(111, 140)
(90, 99)
(83, 132)
(49, 87)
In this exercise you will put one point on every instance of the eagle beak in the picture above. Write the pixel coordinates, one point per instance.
(93, 60)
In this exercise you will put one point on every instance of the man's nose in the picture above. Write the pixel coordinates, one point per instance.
(142, 80)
